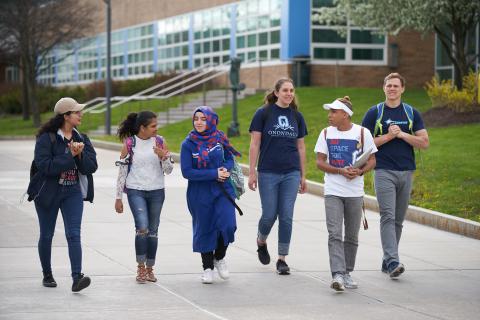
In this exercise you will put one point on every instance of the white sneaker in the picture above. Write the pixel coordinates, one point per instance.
(221, 267)
(349, 282)
(207, 276)
(337, 283)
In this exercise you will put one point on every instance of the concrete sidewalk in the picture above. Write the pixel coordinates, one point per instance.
(442, 280)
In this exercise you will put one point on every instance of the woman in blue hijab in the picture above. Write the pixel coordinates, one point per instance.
(206, 161)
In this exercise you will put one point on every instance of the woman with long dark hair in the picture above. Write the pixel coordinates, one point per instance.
(277, 142)
(144, 160)
(65, 161)
(206, 161)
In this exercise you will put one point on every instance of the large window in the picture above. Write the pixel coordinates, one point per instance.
(258, 30)
(443, 64)
(345, 44)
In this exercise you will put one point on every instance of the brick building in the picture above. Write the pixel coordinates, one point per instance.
(273, 38)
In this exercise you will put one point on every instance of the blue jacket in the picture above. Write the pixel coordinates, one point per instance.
(212, 213)
(53, 159)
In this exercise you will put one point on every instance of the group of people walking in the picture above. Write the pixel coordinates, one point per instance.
(65, 161)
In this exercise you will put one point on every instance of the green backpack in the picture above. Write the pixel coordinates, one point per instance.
(378, 123)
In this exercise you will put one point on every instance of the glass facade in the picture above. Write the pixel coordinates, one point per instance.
(249, 29)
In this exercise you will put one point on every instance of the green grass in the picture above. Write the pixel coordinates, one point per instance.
(450, 185)
(448, 173)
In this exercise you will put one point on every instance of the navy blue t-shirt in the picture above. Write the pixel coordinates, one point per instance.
(280, 131)
(396, 154)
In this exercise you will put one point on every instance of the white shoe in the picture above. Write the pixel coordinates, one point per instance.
(207, 276)
(221, 267)
(337, 283)
(348, 282)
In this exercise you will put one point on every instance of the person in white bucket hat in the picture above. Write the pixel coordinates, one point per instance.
(338, 147)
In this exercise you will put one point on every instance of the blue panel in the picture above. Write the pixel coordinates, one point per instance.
(99, 60)
(55, 66)
(233, 30)
(295, 29)
(75, 62)
(125, 53)
(155, 47)
(190, 42)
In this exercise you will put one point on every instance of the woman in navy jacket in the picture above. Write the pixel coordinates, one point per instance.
(65, 161)
(206, 158)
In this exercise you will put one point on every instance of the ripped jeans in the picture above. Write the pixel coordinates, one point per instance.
(146, 207)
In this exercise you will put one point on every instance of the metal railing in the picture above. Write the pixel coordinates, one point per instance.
(204, 74)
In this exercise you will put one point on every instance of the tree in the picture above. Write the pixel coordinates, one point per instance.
(452, 20)
(31, 29)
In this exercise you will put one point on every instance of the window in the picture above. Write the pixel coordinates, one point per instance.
(240, 42)
(329, 53)
(367, 54)
(329, 36)
(252, 40)
(275, 37)
(263, 38)
(216, 46)
(359, 36)
(206, 47)
(275, 53)
(353, 46)
(226, 44)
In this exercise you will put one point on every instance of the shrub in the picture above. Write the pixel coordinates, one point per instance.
(444, 93)
(10, 100)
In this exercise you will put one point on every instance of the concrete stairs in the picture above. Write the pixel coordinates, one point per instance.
(213, 98)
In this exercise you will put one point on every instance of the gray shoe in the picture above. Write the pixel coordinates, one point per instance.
(349, 282)
(337, 283)
(396, 269)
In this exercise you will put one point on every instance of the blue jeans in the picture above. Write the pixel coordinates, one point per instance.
(278, 193)
(70, 202)
(146, 207)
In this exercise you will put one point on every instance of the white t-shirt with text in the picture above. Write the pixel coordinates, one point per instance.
(342, 149)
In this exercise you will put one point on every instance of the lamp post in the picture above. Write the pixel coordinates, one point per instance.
(233, 129)
(108, 83)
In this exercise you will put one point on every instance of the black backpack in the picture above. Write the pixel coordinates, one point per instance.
(33, 166)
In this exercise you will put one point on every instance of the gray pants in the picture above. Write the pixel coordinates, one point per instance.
(340, 211)
(393, 194)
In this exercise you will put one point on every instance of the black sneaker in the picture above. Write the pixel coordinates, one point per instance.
(48, 280)
(384, 267)
(263, 255)
(80, 283)
(282, 267)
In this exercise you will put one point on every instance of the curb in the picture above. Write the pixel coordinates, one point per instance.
(31, 137)
(423, 216)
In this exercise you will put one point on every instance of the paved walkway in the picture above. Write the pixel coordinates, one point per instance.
(442, 280)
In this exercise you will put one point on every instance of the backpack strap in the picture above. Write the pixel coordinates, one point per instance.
(53, 137)
(378, 122)
(159, 140)
(409, 112)
(266, 113)
(325, 134)
(361, 137)
(130, 143)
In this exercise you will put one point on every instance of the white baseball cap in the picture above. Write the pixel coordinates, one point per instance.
(67, 104)
(338, 105)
